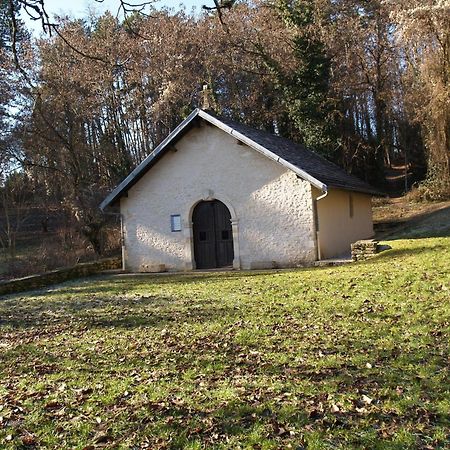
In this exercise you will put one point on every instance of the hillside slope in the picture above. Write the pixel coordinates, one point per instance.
(398, 218)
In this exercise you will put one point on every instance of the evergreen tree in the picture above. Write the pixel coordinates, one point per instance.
(305, 89)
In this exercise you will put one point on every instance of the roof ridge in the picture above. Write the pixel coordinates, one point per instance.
(284, 138)
(307, 164)
(363, 186)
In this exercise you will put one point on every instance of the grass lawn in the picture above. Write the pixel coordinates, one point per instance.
(329, 358)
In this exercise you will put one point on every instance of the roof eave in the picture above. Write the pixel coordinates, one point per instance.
(367, 190)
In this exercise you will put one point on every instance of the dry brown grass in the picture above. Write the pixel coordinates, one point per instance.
(401, 209)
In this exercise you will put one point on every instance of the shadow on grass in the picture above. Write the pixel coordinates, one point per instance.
(259, 406)
(122, 284)
(277, 414)
(237, 418)
(429, 225)
(265, 411)
(398, 253)
(109, 311)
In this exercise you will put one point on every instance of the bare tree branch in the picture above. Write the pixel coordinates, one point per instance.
(36, 11)
(219, 6)
(14, 43)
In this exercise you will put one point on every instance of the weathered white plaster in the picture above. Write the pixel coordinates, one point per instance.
(271, 208)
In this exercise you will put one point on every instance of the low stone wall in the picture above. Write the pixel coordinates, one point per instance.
(59, 275)
(362, 250)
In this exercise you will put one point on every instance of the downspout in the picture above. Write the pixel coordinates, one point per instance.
(325, 193)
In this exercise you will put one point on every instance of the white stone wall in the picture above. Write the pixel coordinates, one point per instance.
(337, 229)
(271, 208)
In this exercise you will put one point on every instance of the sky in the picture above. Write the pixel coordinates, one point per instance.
(80, 8)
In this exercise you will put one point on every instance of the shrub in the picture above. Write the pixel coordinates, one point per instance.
(430, 190)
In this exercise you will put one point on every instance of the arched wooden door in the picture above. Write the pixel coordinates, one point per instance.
(213, 236)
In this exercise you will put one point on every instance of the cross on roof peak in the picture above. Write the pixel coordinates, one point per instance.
(206, 95)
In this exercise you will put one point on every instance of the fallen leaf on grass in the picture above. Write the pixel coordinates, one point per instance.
(102, 437)
(52, 404)
(29, 439)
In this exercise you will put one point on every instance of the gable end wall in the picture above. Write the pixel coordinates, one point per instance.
(271, 208)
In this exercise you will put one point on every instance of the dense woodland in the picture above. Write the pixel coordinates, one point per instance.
(363, 82)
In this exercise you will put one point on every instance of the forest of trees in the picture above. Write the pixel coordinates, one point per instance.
(364, 82)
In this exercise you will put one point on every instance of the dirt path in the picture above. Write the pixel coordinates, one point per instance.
(396, 185)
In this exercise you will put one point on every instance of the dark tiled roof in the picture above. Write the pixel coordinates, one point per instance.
(307, 164)
(299, 156)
